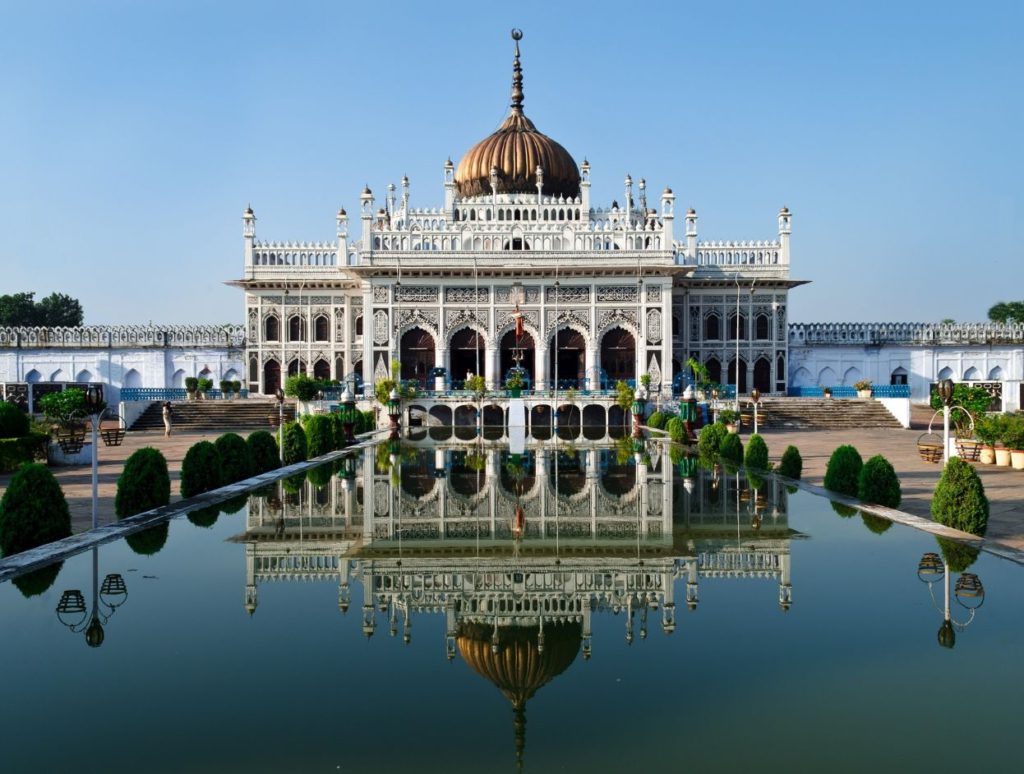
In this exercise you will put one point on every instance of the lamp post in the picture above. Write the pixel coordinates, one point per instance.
(639, 403)
(95, 407)
(279, 394)
(945, 390)
(348, 413)
(969, 593)
(755, 398)
(105, 601)
(714, 404)
(394, 411)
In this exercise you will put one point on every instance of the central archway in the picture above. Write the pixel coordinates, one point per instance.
(508, 354)
(416, 352)
(618, 355)
(467, 354)
(567, 359)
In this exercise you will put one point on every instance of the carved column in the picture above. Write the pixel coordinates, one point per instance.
(541, 368)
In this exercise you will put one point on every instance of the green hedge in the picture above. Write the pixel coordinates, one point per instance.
(959, 499)
(792, 464)
(200, 470)
(676, 429)
(235, 458)
(878, 483)
(319, 435)
(263, 451)
(33, 510)
(15, 452)
(144, 483)
(731, 449)
(294, 443)
(709, 440)
(843, 472)
(13, 421)
(756, 455)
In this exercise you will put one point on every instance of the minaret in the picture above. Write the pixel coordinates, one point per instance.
(405, 197)
(540, 183)
(585, 187)
(391, 202)
(249, 235)
(366, 216)
(668, 217)
(341, 222)
(449, 189)
(629, 199)
(785, 229)
(691, 234)
(643, 199)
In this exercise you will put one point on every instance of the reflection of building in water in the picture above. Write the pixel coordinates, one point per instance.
(600, 534)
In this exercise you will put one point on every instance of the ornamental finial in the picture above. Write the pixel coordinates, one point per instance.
(517, 76)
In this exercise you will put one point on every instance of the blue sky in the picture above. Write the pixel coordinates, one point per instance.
(132, 135)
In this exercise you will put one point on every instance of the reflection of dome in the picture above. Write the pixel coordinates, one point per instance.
(519, 667)
(515, 151)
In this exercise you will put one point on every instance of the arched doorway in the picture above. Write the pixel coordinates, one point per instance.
(742, 388)
(618, 355)
(763, 375)
(466, 354)
(567, 359)
(417, 355)
(714, 370)
(322, 370)
(271, 377)
(508, 354)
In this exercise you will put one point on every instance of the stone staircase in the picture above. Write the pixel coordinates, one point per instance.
(822, 414)
(243, 414)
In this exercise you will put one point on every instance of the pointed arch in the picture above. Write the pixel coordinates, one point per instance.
(132, 378)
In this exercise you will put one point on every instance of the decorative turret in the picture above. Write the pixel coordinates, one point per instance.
(628, 182)
(449, 189)
(248, 233)
(691, 234)
(366, 216)
(405, 195)
(785, 229)
(668, 217)
(341, 223)
(585, 186)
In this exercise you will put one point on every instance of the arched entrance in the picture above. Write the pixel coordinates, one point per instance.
(467, 354)
(742, 388)
(763, 375)
(618, 355)
(322, 370)
(508, 354)
(416, 352)
(567, 359)
(714, 370)
(271, 377)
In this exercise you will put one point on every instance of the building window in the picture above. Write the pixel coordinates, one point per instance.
(712, 327)
(272, 329)
(321, 328)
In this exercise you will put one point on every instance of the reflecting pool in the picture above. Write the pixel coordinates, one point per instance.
(566, 609)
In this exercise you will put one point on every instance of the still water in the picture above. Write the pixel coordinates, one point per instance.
(582, 611)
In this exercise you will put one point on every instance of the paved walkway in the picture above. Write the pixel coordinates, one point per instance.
(1004, 486)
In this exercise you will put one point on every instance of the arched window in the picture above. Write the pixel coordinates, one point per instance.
(737, 328)
(713, 327)
(359, 325)
(272, 329)
(296, 328)
(762, 327)
(321, 328)
(898, 376)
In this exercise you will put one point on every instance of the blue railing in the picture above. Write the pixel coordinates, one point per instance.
(129, 394)
(890, 391)
(845, 391)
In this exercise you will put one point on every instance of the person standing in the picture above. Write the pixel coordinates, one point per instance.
(167, 418)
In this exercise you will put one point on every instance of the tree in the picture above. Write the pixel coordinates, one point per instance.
(382, 389)
(17, 309)
(33, 510)
(959, 501)
(144, 483)
(57, 309)
(1007, 312)
(201, 469)
(843, 471)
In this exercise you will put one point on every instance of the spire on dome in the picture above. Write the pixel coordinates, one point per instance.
(517, 76)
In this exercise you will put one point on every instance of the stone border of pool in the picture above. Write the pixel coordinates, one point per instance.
(40, 556)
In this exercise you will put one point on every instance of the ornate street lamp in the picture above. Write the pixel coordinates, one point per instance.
(639, 403)
(348, 414)
(394, 410)
(945, 390)
(969, 593)
(755, 398)
(279, 394)
(106, 598)
(94, 407)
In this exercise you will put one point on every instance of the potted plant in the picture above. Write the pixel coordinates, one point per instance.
(1004, 435)
(826, 391)
(645, 380)
(236, 387)
(863, 388)
(1014, 439)
(191, 386)
(986, 430)
(729, 418)
(225, 388)
(514, 384)
(204, 386)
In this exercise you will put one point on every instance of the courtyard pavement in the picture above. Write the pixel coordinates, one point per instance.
(1004, 486)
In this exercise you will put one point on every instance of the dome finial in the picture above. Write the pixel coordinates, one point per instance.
(517, 76)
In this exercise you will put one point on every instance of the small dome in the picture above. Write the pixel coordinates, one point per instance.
(515, 151)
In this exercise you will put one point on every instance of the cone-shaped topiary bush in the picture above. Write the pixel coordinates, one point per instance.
(731, 449)
(34, 583)
(13, 421)
(144, 483)
(234, 505)
(33, 510)
(204, 517)
(843, 472)
(320, 476)
(263, 450)
(676, 429)
(709, 440)
(843, 510)
(148, 541)
(756, 455)
(319, 435)
(200, 470)
(959, 556)
(658, 419)
(878, 483)
(875, 524)
(792, 464)
(235, 458)
(959, 499)
(294, 443)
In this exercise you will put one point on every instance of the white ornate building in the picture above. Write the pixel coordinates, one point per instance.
(606, 292)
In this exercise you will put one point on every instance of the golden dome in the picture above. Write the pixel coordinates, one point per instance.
(515, 151)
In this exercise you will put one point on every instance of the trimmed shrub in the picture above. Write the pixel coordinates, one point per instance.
(959, 556)
(293, 484)
(320, 476)
(34, 583)
(294, 443)
(731, 449)
(234, 505)
(149, 541)
(843, 510)
(843, 472)
(235, 458)
(200, 470)
(709, 440)
(263, 452)
(15, 452)
(319, 435)
(876, 524)
(658, 419)
(33, 510)
(676, 429)
(792, 464)
(878, 483)
(756, 455)
(144, 483)
(13, 421)
(204, 517)
(959, 499)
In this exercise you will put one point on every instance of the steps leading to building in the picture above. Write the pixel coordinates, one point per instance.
(213, 415)
(823, 414)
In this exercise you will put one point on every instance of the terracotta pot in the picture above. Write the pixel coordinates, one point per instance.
(863, 393)
(987, 456)
(733, 428)
(1002, 457)
(1017, 459)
